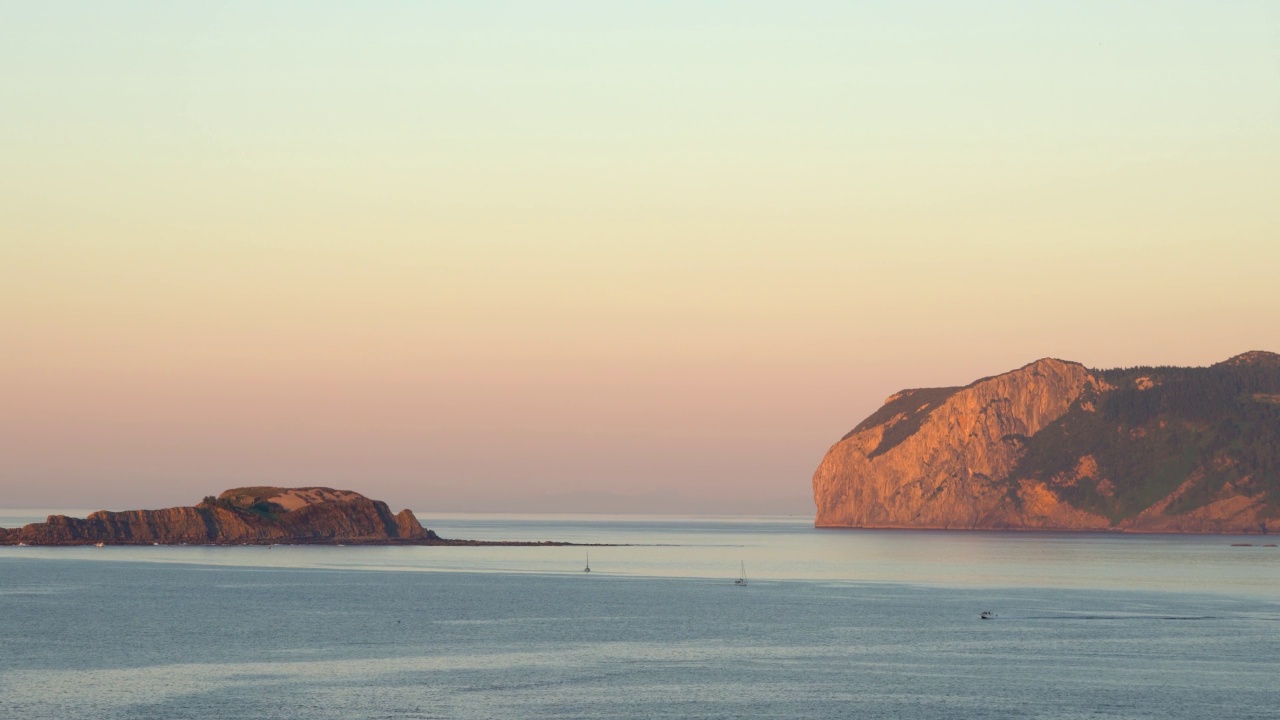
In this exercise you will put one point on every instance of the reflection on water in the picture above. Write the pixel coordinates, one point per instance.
(177, 640)
(834, 624)
(773, 549)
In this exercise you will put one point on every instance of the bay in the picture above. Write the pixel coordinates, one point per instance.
(832, 624)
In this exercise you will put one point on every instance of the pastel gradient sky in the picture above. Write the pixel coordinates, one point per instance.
(593, 256)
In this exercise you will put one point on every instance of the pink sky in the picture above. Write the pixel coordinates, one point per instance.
(592, 262)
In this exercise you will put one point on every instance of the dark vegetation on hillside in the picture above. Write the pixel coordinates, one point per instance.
(914, 404)
(262, 508)
(1159, 427)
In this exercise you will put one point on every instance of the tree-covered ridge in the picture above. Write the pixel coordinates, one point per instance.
(1122, 449)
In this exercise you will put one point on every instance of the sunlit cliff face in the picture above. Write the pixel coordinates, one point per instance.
(1054, 445)
(939, 474)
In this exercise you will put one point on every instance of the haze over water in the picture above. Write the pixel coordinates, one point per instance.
(832, 624)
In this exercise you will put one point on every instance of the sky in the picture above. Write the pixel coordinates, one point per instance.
(582, 256)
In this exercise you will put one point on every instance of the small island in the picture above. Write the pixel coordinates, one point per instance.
(247, 516)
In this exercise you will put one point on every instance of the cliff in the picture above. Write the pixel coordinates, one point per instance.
(1056, 445)
(256, 516)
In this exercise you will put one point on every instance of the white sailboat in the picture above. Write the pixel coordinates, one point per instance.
(588, 567)
(742, 579)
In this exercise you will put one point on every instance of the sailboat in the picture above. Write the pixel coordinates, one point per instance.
(742, 579)
(588, 567)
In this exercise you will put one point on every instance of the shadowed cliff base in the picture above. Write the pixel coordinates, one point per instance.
(1058, 446)
(249, 516)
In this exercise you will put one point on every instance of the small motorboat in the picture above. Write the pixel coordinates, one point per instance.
(101, 544)
(987, 615)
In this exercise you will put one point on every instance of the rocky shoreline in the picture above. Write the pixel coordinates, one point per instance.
(249, 516)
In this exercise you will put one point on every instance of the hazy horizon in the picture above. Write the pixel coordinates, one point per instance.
(469, 257)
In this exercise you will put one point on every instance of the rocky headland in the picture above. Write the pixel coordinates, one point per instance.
(245, 516)
(1058, 446)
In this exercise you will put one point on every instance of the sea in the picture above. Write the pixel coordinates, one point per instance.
(830, 624)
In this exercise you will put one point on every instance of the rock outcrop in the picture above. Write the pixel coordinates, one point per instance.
(255, 516)
(1055, 445)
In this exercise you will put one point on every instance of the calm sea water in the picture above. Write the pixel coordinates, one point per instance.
(837, 624)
